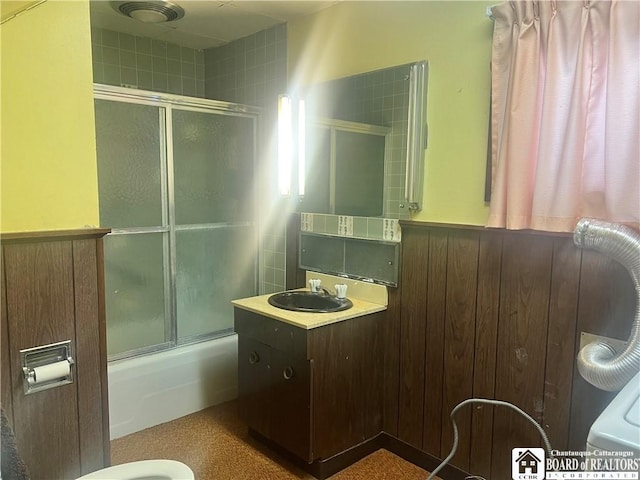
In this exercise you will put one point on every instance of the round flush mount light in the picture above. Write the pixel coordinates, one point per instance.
(149, 12)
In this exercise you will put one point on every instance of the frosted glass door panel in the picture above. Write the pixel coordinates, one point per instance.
(213, 167)
(214, 266)
(135, 293)
(129, 149)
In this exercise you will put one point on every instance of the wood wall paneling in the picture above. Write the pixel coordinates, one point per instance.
(561, 352)
(102, 345)
(491, 313)
(412, 341)
(5, 366)
(39, 282)
(5, 373)
(89, 363)
(524, 305)
(459, 339)
(484, 371)
(52, 291)
(435, 274)
(504, 311)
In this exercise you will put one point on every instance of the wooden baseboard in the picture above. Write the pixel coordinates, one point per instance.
(322, 469)
(418, 457)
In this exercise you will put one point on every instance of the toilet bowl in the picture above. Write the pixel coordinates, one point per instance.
(143, 470)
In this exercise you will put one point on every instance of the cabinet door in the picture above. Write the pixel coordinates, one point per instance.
(254, 384)
(291, 403)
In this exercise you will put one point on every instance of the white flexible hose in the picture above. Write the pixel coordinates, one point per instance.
(499, 403)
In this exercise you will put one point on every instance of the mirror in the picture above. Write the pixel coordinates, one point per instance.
(345, 168)
(364, 143)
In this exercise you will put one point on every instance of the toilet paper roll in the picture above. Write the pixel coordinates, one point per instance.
(53, 371)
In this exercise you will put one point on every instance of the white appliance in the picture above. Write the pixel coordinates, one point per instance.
(617, 429)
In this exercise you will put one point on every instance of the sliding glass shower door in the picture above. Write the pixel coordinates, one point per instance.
(175, 180)
(214, 209)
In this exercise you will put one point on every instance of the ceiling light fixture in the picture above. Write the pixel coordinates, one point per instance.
(150, 12)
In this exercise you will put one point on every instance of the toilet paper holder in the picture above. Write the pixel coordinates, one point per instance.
(47, 366)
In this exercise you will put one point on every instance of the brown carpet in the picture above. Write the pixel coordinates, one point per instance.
(216, 445)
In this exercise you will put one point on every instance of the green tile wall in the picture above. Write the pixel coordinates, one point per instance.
(253, 71)
(138, 62)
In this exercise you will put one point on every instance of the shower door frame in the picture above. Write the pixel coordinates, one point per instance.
(166, 103)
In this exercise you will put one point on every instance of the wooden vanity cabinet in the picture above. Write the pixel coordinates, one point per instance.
(274, 381)
(316, 392)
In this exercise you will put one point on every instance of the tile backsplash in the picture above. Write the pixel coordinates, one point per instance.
(368, 228)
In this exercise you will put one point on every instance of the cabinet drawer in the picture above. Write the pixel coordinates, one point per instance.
(279, 335)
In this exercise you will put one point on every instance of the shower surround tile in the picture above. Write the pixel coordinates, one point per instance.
(252, 71)
(125, 60)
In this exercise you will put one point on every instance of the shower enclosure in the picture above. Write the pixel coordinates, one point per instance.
(176, 186)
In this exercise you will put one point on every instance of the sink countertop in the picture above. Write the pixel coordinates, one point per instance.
(307, 320)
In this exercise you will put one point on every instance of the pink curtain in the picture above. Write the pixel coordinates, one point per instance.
(565, 114)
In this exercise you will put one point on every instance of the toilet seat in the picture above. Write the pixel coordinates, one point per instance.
(143, 470)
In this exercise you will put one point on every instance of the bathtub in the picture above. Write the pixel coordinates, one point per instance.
(157, 388)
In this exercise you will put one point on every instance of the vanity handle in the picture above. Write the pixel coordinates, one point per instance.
(254, 358)
(287, 373)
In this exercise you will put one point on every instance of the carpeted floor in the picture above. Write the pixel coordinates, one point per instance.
(216, 445)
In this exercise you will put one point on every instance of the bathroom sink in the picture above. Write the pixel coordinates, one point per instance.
(304, 301)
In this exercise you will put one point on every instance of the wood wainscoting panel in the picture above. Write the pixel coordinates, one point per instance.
(90, 364)
(53, 291)
(40, 311)
(561, 353)
(412, 340)
(484, 370)
(436, 295)
(522, 340)
(492, 313)
(5, 359)
(459, 338)
(503, 316)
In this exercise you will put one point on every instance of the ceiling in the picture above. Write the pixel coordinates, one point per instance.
(208, 23)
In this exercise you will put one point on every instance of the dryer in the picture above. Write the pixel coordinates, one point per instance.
(617, 429)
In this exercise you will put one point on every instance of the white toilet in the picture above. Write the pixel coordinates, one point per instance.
(143, 470)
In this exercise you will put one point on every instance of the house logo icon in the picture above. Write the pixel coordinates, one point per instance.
(527, 464)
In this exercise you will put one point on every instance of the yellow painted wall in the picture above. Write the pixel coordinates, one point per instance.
(48, 159)
(455, 38)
